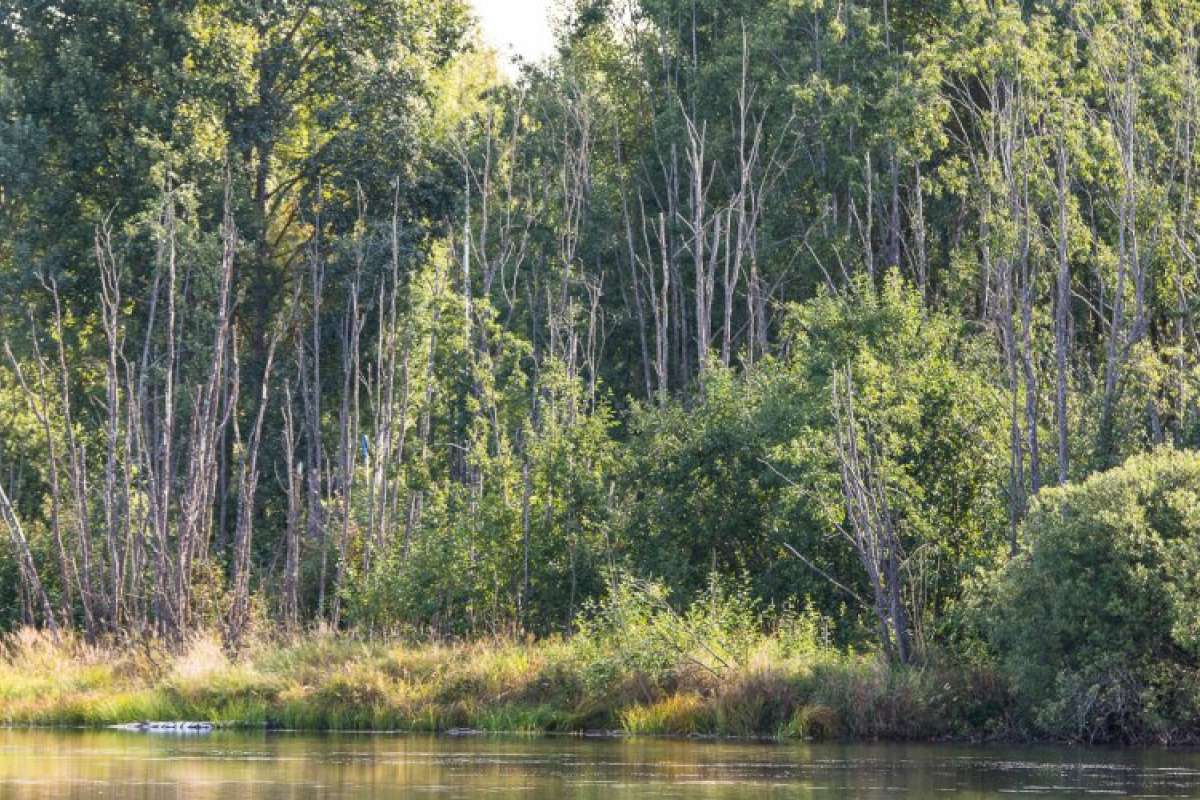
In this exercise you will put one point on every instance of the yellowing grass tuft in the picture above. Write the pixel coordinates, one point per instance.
(677, 715)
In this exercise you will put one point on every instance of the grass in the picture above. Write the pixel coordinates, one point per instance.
(681, 714)
(774, 688)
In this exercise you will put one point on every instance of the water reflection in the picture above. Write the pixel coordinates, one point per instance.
(226, 766)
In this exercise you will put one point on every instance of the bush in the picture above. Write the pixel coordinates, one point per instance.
(635, 634)
(1097, 619)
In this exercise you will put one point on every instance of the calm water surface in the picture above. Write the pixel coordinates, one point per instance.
(113, 764)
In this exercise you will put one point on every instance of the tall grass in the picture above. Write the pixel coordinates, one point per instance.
(635, 665)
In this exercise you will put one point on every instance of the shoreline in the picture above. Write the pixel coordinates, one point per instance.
(578, 687)
(783, 688)
(588, 735)
(614, 736)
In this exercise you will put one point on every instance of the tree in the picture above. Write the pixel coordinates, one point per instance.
(899, 456)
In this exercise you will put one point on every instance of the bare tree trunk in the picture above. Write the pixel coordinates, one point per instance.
(416, 496)
(77, 472)
(663, 315)
(635, 270)
(1185, 234)
(895, 235)
(115, 504)
(731, 276)
(29, 574)
(1123, 115)
(310, 384)
(38, 405)
(165, 607)
(215, 403)
(348, 420)
(247, 487)
(1029, 372)
(871, 531)
(293, 487)
(1062, 310)
(526, 495)
(920, 257)
(699, 224)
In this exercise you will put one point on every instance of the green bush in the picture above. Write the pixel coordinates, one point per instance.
(636, 634)
(1096, 621)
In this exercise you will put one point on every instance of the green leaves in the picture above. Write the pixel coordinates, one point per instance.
(1104, 601)
(751, 465)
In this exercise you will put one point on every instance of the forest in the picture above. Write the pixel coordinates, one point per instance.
(789, 367)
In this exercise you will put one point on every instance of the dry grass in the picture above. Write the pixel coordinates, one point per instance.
(324, 682)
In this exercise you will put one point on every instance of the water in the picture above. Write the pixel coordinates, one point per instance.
(228, 766)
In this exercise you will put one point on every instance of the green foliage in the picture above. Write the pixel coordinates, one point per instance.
(635, 631)
(922, 390)
(704, 497)
(461, 570)
(1095, 620)
(751, 466)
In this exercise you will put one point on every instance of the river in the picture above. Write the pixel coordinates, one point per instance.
(274, 766)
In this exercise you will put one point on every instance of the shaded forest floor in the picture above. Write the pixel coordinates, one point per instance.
(324, 682)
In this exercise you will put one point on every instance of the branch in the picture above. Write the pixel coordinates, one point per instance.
(827, 576)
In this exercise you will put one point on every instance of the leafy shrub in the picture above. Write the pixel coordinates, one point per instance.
(635, 634)
(1096, 620)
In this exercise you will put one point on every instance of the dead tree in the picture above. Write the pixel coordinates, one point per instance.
(293, 487)
(310, 390)
(247, 488)
(76, 470)
(348, 415)
(871, 526)
(116, 498)
(39, 407)
(214, 402)
(1121, 83)
(29, 573)
(1062, 311)
(699, 222)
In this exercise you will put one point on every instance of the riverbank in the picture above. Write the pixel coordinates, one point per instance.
(325, 682)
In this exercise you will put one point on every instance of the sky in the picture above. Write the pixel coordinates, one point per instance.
(516, 27)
